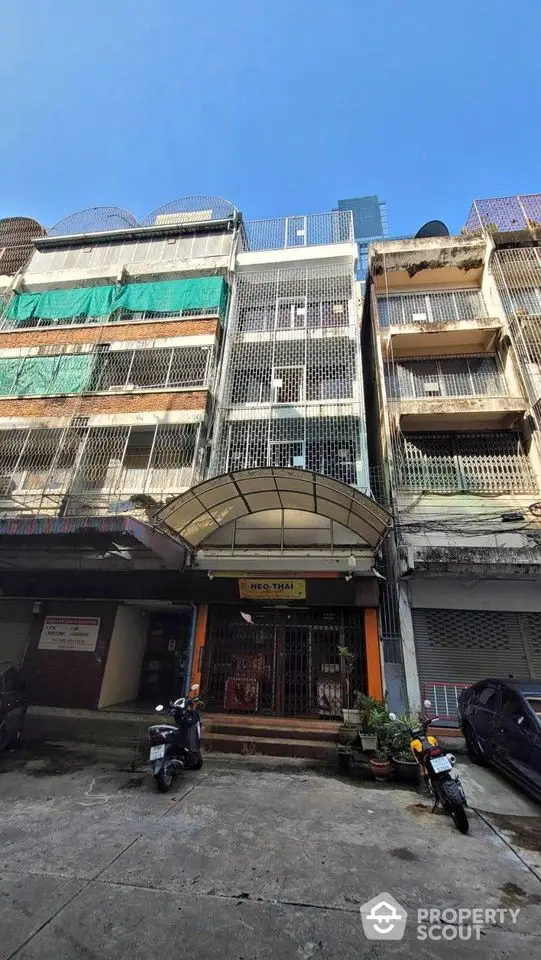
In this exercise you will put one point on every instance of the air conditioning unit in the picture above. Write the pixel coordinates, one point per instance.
(299, 462)
(432, 388)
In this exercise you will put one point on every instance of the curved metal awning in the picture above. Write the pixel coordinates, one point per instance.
(194, 515)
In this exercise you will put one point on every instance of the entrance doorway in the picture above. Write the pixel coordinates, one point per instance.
(285, 663)
(163, 674)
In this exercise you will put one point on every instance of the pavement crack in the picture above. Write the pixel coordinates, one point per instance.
(509, 845)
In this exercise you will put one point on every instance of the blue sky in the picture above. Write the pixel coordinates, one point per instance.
(281, 106)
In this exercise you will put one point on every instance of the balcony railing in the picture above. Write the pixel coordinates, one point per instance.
(433, 380)
(306, 230)
(169, 368)
(491, 462)
(435, 307)
(95, 468)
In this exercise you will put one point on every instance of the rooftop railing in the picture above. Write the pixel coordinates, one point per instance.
(306, 230)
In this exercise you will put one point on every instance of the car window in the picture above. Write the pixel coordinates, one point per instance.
(511, 705)
(488, 696)
(535, 704)
(10, 680)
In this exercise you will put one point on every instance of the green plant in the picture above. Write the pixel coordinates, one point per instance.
(371, 712)
(380, 756)
(405, 755)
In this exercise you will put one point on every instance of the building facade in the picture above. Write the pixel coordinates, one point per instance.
(184, 484)
(450, 324)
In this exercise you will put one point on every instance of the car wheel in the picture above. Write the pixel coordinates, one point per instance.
(473, 747)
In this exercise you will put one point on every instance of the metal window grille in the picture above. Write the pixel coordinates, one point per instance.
(171, 367)
(446, 377)
(89, 468)
(433, 307)
(491, 462)
(310, 229)
(517, 274)
(291, 385)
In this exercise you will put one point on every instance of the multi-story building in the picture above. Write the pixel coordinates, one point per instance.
(369, 223)
(454, 428)
(183, 462)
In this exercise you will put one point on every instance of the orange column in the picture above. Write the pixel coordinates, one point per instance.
(373, 659)
(199, 644)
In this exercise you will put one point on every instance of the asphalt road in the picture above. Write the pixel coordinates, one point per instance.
(248, 860)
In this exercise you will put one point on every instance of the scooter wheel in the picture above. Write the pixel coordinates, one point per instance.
(197, 764)
(164, 781)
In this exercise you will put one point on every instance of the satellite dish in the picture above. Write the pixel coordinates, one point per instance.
(434, 228)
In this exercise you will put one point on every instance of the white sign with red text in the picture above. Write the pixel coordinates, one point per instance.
(70, 633)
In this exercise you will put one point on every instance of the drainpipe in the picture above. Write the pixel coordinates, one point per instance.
(191, 645)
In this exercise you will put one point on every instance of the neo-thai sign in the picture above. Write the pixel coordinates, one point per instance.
(260, 588)
(70, 633)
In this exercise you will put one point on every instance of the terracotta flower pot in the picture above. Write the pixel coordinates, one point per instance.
(381, 769)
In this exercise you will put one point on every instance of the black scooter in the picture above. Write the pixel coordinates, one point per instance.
(175, 748)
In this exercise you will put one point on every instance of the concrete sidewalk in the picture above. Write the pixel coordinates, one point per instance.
(243, 859)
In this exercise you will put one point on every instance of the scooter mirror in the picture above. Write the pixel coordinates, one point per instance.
(428, 703)
(159, 708)
(392, 716)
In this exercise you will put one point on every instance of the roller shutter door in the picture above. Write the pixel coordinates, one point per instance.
(15, 622)
(462, 646)
(531, 625)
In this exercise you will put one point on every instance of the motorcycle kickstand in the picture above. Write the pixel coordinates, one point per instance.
(436, 803)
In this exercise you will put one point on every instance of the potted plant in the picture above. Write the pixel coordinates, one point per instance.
(347, 662)
(372, 715)
(380, 765)
(405, 765)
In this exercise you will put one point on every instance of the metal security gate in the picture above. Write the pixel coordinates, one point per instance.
(457, 647)
(285, 663)
(15, 623)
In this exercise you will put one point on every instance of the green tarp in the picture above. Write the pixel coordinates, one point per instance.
(45, 376)
(168, 296)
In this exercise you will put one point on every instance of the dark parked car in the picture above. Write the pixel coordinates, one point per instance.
(501, 722)
(13, 704)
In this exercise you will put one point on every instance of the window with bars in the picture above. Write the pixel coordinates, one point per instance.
(446, 377)
(490, 462)
(331, 446)
(107, 462)
(431, 307)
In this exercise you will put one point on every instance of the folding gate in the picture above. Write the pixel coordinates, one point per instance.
(285, 663)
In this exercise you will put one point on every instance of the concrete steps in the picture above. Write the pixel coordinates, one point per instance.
(269, 746)
(272, 736)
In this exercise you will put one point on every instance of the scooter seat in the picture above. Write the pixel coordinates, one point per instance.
(163, 728)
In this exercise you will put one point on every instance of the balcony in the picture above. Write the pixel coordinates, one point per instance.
(95, 470)
(438, 323)
(446, 394)
(482, 463)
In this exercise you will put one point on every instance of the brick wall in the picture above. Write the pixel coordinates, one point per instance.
(113, 403)
(108, 333)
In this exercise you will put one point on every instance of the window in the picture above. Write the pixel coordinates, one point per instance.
(288, 384)
(488, 697)
(511, 705)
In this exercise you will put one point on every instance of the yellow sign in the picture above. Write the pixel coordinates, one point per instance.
(272, 589)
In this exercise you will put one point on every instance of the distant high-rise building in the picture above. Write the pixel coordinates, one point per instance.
(369, 223)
